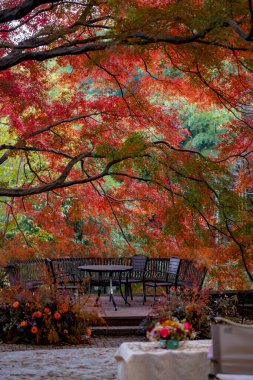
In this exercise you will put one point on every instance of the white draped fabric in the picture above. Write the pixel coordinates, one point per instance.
(146, 361)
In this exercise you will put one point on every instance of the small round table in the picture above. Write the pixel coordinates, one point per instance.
(108, 269)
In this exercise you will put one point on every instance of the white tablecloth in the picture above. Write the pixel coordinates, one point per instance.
(146, 361)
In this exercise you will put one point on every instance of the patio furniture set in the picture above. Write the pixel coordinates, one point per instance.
(85, 273)
(230, 349)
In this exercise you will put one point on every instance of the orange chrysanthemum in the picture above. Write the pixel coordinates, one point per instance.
(34, 330)
(57, 315)
(24, 323)
(15, 305)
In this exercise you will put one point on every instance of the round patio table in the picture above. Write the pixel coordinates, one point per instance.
(108, 269)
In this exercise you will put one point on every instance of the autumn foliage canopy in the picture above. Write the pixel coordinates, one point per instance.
(98, 155)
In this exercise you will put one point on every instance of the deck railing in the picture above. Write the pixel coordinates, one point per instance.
(34, 272)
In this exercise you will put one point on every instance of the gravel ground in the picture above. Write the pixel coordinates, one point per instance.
(94, 342)
(89, 362)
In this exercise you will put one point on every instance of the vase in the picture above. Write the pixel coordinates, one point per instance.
(163, 343)
(172, 344)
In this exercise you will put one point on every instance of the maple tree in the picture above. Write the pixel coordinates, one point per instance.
(94, 135)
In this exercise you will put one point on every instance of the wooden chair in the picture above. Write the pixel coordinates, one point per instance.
(232, 350)
(165, 279)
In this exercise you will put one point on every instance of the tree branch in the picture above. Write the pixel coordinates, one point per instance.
(21, 10)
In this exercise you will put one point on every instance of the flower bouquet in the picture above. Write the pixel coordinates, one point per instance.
(169, 332)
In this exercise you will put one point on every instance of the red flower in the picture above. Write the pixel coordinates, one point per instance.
(34, 330)
(47, 310)
(15, 305)
(24, 323)
(164, 332)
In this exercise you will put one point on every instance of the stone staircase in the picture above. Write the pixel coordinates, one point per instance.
(121, 326)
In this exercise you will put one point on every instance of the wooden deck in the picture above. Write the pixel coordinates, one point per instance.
(105, 307)
(126, 320)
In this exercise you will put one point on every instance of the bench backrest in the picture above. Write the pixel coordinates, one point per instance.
(25, 272)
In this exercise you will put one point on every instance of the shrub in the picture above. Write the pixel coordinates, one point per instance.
(188, 305)
(224, 306)
(199, 308)
(43, 318)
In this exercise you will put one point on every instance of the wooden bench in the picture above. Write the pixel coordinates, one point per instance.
(27, 273)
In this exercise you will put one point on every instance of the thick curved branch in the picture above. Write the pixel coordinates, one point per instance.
(61, 182)
(17, 57)
(23, 9)
(27, 20)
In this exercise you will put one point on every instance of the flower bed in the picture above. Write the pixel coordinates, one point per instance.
(44, 319)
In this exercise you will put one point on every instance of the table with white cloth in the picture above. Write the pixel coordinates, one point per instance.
(146, 361)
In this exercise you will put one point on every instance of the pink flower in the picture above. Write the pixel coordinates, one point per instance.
(188, 326)
(164, 332)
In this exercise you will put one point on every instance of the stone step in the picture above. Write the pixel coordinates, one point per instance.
(124, 320)
(117, 330)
